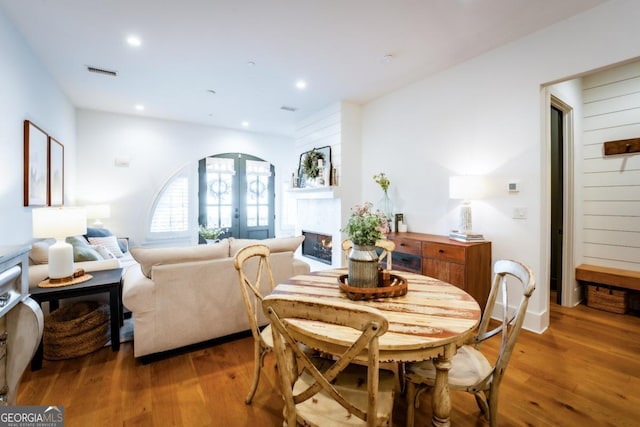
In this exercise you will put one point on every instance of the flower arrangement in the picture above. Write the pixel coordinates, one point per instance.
(365, 227)
(382, 180)
(210, 233)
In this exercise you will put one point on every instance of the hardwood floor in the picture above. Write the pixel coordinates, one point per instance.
(583, 371)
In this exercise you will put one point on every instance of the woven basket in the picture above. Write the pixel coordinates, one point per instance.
(75, 330)
(398, 287)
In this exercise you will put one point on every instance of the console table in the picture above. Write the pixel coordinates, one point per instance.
(466, 265)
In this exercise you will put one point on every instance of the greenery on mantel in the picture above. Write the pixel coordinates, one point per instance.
(310, 163)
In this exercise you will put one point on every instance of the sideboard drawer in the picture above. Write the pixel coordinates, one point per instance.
(443, 251)
(407, 246)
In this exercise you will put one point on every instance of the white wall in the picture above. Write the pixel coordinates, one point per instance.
(27, 92)
(485, 116)
(611, 192)
(156, 150)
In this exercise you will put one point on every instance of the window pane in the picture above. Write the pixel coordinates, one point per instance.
(252, 217)
(171, 213)
(264, 215)
(225, 217)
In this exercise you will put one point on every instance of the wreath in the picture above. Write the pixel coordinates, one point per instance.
(310, 163)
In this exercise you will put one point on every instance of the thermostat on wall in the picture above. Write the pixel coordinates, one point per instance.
(514, 187)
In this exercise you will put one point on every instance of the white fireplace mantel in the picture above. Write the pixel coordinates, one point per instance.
(315, 192)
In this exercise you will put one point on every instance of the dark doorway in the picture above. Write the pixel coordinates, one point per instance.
(557, 197)
(236, 193)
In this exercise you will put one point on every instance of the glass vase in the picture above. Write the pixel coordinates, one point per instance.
(386, 206)
(363, 266)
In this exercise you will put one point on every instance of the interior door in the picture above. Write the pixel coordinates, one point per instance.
(557, 197)
(236, 193)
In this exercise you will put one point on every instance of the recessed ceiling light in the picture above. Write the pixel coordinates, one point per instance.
(134, 41)
(251, 63)
(140, 107)
(211, 91)
(245, 124)
(386, 58)
(301, 84)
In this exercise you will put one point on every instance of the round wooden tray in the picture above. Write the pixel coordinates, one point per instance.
(398, 287)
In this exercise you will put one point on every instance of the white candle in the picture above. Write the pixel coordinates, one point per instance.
(319, 163)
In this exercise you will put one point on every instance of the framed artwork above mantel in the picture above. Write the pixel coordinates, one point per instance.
(314, 168)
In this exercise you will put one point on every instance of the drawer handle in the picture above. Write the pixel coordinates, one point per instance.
(441, 251)
(401, 244)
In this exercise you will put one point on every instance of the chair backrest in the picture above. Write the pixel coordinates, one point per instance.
(367, 325)
(510, 323)
(387, 247)
(250, 289)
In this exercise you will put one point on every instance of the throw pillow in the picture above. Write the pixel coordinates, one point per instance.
(149, 257)
(81, 250)
(103, 232)
(104, 252)
(109, 242)
(40, 251)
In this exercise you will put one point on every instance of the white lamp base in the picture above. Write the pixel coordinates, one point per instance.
(60, 260)
(464, 222)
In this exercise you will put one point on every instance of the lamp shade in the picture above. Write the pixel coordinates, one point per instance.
(466, 187)
(59, 222)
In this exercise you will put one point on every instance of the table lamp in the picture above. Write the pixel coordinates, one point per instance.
(59, 223)
(97, 213)
(467, 188)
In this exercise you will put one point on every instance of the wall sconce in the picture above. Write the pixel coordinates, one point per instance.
(59, 223)
(97, 213)
(467, 188)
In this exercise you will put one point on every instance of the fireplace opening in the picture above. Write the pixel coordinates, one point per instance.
(317, 246)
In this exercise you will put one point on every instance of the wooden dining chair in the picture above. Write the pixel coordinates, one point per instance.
(330, 391)
(470, 370)
(252, 298)
(387, 247)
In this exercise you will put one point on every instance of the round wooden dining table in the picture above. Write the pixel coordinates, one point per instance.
(430, 321)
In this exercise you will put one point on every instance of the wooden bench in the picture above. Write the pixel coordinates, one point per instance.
(613, 300)
(627, 279)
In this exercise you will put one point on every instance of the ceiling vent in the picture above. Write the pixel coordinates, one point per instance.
(102, 71)
(287, 108)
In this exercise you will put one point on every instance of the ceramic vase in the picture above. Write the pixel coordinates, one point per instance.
(363, 266)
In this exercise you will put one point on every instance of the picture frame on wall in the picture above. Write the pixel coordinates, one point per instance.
(56, 172)
(36, 162)
(324, 176)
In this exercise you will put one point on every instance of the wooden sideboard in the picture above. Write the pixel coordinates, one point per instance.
(466, 265)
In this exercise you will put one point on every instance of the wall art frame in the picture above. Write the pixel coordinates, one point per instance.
(56, 173)
(36, 163)
(305, 181)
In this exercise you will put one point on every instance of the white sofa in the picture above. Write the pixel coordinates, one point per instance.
(186, 295)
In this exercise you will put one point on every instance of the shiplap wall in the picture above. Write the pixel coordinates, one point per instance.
(611, 192)
(320, 130)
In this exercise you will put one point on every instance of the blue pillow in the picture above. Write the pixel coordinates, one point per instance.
(103, 232)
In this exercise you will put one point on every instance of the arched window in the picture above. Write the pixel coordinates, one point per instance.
(172, 209)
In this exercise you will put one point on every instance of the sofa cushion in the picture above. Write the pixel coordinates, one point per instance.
(148, 257)
(39, 253)
(109, 242)
(277, 244)
(81, 250)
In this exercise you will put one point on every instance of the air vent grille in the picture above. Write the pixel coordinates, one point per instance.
(288, 108)
(102, 71)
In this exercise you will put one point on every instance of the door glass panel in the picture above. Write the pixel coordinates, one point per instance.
(257, 173)
(220, 173)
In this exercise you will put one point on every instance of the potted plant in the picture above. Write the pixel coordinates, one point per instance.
(210, 234)
(364, 228)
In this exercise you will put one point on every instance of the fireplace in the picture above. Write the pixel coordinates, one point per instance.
(317, 246)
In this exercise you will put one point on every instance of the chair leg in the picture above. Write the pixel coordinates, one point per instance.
(410, 388)
(493, 408)
(258, 356)
(481, 400)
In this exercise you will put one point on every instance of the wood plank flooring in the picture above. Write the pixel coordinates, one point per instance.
(583, 371)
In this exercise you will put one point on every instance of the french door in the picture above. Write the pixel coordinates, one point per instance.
(236, 193)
